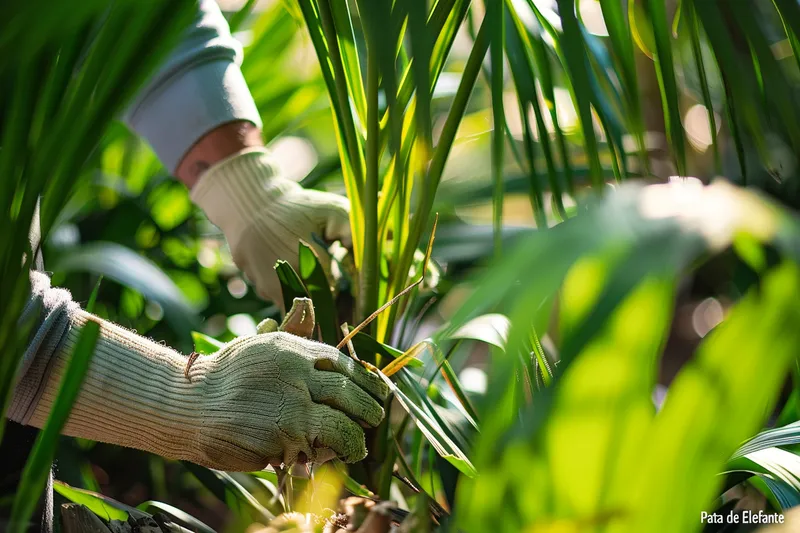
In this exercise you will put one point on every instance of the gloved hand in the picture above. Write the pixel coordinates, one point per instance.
(263, 215)
(275, 397)
(267, 398)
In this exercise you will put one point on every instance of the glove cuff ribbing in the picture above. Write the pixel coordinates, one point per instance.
(134, 394)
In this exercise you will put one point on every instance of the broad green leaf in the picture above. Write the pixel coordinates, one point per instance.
(660, 258)
(786, 495)
(449, 375)
(520, 61)
(497, 12)
(444, 22)
(742, 115)
(433, 431)
(291, 284)
(269, 475)
(697, 52)
(624, 350)
(365, 345)
(704, 409)
(630, 217)
(777, 90)
(579, 425)
(352, 69)
(318, 287)
(641, 28)
(778, 469)
(229, 491)
(442, 150)
(790, 14)
(610, 109)
(621, 40)
(319, 28)
(351, 484)
(543, 68)
(577, 65)
(782, 436)
(440, 442)
(340, 96)
(421, 39)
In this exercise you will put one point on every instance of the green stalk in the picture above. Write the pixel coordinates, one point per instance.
(370, 265)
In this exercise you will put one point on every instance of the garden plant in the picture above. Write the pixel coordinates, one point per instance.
(575, 259)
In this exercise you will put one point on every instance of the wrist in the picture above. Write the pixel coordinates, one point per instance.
(216, 145)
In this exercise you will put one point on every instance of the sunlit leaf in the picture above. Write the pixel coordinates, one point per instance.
(491, 329)
(205, 345)
(434, 432)
(103, 506)
(412, 353)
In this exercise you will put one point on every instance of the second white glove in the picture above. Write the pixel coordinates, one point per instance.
(264, 215)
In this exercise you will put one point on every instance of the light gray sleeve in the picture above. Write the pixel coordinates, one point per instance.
(47, 310)
(199, 88)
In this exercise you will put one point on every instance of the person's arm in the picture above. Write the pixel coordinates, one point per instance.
(197, 110)
(200, 118)
(265, 399)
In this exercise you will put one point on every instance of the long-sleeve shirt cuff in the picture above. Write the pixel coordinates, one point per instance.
(194, 103)
(199, 87)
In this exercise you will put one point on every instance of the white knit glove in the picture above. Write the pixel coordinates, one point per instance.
(265, 399)
(264, 215)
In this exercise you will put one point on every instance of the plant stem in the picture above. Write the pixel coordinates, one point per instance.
(370, 265)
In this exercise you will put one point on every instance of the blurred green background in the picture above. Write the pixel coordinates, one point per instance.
(564, 304)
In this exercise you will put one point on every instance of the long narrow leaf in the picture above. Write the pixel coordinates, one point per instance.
(37, 468)
(497, 13)
(578, 68)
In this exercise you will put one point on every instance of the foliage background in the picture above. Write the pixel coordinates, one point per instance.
(628, 286)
